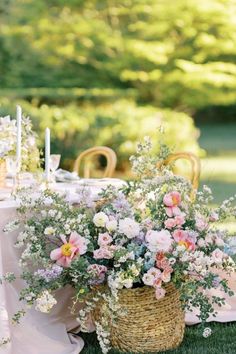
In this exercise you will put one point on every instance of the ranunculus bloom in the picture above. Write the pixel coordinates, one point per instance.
(100, 219)
(76, 246)
(104, 239)
(111, 225)
(170, 223)
(163, 263)
(158, 240)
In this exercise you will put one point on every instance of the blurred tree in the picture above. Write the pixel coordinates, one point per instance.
(179, 54)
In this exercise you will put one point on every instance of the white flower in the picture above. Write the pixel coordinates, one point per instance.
(49, 231)
(128, 283)
(129, 227)
(148, 279)
(52, 213)
(217, 256)
(201, 242)
(207, 332)
(111, 225)
(100, 219)
(159, 240)
(45, 302)
(21, 237)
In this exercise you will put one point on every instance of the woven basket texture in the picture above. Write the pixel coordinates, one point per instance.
(148, 325)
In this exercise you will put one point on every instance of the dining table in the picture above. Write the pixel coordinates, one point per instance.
(57, 332)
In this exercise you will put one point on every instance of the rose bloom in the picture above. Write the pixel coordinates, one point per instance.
(104, 239)
(163, 263)
(129, 227)
(166, 276)
(111, 225)
(103, 252)
(100, 219)
(148, 279)
(159, 240)
(170, 223)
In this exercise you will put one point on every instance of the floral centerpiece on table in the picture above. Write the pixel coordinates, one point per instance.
(150, 233)
(8, 133)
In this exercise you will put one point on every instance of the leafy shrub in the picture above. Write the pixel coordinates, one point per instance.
(120, 125)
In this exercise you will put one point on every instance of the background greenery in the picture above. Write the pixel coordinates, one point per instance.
(107, 72)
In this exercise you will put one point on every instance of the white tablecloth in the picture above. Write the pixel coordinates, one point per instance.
(48, 333)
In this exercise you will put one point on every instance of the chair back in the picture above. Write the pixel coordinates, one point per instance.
(105, 151)
(195, 165)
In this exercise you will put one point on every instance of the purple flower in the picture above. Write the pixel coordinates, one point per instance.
(49, 274)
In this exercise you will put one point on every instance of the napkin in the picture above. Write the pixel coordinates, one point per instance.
(66, 176)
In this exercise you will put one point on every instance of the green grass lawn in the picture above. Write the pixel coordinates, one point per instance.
(222, 341)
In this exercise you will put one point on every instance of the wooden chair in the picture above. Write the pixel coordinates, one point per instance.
(108, 153)
(195, 165)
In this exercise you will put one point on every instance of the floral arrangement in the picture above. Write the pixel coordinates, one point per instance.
(8, 133)
(151, 232)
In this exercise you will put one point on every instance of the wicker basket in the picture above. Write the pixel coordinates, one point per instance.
(149, 325)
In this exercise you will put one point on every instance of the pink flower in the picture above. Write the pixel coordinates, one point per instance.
(104, 252)
(201, 223)
(166, 276)
(214, 216)
(151, 276)
(179, 219)
(76, 246)
(217, 256)
(159, 240)
(172, 199)
(170, 223)
(98, 272)
(163, 263)
(160, 293)
(104, 239)
(180, 235)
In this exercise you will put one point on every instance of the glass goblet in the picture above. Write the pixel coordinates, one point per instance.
(11, 166)
(54, 164)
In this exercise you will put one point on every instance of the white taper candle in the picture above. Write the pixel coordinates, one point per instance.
(47, 154)
(18, 137)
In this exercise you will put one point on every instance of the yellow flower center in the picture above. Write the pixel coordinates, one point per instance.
(183, 243)
(175, 200)
(66, 249)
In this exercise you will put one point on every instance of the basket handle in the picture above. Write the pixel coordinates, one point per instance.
(195, 165)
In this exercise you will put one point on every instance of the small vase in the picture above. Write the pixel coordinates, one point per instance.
(3, 174)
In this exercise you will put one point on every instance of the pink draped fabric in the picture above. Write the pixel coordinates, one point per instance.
(37, 333)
